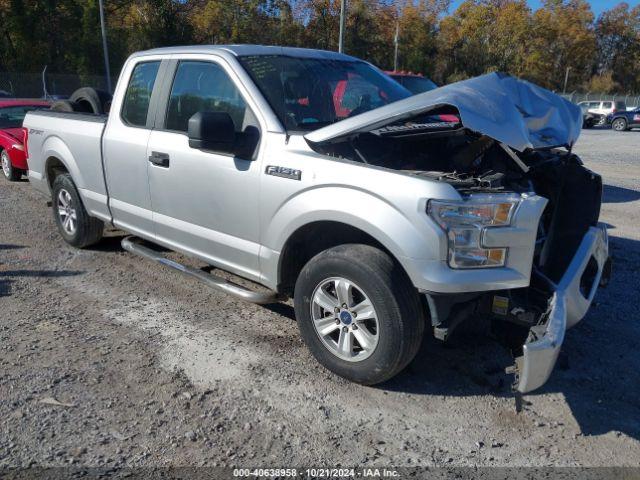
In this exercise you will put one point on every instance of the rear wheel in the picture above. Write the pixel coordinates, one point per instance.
(619, 125)
(358, 313)
(10, 172)
(74, 223)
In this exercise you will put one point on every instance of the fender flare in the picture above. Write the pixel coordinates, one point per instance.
(54, 147)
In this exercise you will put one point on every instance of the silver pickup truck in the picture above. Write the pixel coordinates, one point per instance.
(314, 175)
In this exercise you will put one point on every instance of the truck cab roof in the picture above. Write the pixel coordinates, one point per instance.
(243, 50)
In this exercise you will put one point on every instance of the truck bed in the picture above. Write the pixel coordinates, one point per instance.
(79, 136)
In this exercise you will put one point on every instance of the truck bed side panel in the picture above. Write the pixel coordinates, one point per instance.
(75, 140)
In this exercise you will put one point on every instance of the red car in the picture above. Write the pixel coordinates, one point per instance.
(12, 150)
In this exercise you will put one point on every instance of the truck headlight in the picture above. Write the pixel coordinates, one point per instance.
(465, 221)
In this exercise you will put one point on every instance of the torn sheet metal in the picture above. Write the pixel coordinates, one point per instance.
(512, 111)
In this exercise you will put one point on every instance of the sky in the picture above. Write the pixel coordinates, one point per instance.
(598, 6)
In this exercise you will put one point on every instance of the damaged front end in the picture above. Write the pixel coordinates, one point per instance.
(512, 140)
(570, 299)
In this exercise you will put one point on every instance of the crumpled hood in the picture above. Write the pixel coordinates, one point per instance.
(512, 111)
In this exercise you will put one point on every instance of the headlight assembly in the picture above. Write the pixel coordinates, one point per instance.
(465, 221)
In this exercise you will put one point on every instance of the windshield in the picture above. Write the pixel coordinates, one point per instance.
(12, 117)
(309, 93)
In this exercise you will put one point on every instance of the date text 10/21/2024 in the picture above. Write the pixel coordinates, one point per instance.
(317, 472)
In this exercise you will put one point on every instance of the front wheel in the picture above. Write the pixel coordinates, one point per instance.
(358, 313)
(619, 125)
(10, 172)
(74, 223)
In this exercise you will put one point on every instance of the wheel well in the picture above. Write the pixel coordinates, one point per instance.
(54, 167)
(311, 239)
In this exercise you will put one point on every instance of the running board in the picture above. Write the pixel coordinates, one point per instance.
(131, 244)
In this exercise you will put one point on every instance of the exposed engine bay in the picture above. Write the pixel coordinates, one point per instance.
(443, 151)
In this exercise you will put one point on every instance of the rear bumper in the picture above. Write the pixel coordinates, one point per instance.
(18, 158)
(572, 298)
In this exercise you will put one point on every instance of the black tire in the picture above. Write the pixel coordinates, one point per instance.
(10, 172)
(63, 106)
(91, 100)
(400, 315)
(619, 124)
(88, 230)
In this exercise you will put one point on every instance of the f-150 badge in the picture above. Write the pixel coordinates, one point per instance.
(284, 172)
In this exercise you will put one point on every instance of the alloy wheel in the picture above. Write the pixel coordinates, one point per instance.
(619, 125)
(345, 319)
(6, 166)
(67, 212)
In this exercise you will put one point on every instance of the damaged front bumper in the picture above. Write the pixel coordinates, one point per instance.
(573, 295)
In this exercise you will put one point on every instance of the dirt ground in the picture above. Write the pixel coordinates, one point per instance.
(107, 360)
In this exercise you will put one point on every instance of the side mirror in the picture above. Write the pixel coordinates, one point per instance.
(212, 131)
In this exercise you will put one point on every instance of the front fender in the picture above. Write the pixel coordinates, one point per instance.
(408, 236)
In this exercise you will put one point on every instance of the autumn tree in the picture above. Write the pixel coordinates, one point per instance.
(322, 24)
(483, 36)
(156, 23)
(618, 37)
(418, 25)
(563, 38)
(479, 36)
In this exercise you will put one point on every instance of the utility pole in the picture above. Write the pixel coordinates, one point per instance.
(396, 39)
(566, 79)
(103, 27)
(343, 8)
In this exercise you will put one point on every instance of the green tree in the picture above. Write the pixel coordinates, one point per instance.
(563, 38)
(157, 23)
(483, 36)
(418, 25)
(618, 37)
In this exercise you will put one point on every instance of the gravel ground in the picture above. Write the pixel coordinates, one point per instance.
(109, 361)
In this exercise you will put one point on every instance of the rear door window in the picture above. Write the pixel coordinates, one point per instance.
(138, 95)
(607, 105)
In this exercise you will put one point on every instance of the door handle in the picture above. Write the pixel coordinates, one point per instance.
(160, 159)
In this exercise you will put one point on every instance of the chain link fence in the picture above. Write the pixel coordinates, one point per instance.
(36, 85)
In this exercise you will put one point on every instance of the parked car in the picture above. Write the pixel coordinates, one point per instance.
(624, 120)
(603, 108)
(417, 83)
(378, 222)
(590, 119)
(12, 154)
(414, 82)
